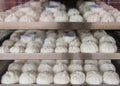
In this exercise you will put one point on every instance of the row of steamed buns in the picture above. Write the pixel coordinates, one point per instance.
(87, 11)
(60, 41)
(93, 72)
(53, 11)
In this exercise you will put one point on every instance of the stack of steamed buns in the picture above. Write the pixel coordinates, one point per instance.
(28, 12)
(54, 11)
(93, 72)
(93, 12)
(59, 41)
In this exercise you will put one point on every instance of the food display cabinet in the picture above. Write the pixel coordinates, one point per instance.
(111, 28)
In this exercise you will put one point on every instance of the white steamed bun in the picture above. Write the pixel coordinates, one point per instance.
(77, 78)
(15, 66)
(104, 61)
(73, 11)
(107, 47)
(61, 50)
(17, 49)
(11, 18)
(27, 78)
(74, 49)
(27, 18)
(29, 67)
(90, 67)
(94, 78)
(32, 49)
(93, 18)
(44, 78)
(89, 47)
(59, 67)
(75, 67)
(45, 68)
(107, 67)
(111, 78)
(4, 49)
(107, 38)
(76, 18)
(61, 78)
(47, 50)
(10, 77)
(95, 62)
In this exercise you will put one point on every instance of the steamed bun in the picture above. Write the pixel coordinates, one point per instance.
(15, 67)
(107, 18)
(29, 67)
(95, 62)
(32, 49)
(61, 78)
(61, 50)
(94, 78)
(107, 67)
(75, 43)
(11, 18)
(98, 34)
(62, 17)
(89, 47)
(47, 50)
(107, 38)
(17, 49)
(8, 43)
(107, 47)
(76, 18)
(44, 78)
(74, 49)
(90, 67)
(60, 67)
(111, 78)
(72, 12)
(19, 43)
(75, 67)
(27, 18)
(45, 68)
(27, 78)
(104, 61)
(4, 49)
(77, 78)
(10, 77)
(93, 18)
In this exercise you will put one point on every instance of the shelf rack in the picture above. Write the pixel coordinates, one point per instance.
(68, 56)
(62, 25)
(56, 26)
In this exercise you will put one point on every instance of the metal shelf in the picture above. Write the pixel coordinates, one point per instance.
(103, 56)
(62, 25)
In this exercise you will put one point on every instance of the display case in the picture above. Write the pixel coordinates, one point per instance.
(112, 28)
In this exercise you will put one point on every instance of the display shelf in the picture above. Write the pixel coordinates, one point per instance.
(62, 25)
(60, 56)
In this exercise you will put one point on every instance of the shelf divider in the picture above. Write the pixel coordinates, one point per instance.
(77, 56)
(62, 25)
